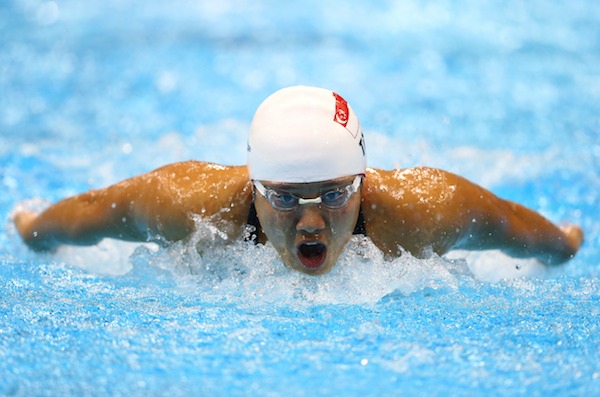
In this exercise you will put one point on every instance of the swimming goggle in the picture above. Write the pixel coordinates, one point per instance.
(332, 199)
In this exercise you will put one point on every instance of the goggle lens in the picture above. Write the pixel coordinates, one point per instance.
(332, 199)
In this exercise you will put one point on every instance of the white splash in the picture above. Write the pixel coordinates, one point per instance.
(222, 270)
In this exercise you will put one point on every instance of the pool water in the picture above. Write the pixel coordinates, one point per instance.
(505, 94)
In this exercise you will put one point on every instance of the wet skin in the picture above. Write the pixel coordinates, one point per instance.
(311, 237)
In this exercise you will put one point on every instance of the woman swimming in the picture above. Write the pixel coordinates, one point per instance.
(305, 189)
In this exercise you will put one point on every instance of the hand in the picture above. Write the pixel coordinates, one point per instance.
(574, 235)
(24, 221)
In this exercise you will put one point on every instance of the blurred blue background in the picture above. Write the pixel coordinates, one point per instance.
(505, 93)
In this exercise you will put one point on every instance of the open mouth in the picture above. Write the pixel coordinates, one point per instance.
(312, 254)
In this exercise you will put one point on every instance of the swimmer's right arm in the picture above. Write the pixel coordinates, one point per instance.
(151, 207)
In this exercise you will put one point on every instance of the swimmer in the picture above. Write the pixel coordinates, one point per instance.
(305, 189)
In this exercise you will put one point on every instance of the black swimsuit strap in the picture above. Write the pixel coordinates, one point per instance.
(359, 228)
(253, 221)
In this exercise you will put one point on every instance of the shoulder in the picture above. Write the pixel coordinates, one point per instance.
(202, 188)
(194, 168)
(197, 176)
(409, 208)
(418, 184)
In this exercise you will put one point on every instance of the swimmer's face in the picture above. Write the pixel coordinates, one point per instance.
(309, 237)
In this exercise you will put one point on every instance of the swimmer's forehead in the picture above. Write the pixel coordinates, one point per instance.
(311, 186)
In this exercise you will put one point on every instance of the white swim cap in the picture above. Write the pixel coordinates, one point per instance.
(305, 134)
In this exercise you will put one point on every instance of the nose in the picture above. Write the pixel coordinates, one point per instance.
(311, 220)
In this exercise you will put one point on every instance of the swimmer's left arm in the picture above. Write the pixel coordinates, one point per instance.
(517, 230)
(423, 208)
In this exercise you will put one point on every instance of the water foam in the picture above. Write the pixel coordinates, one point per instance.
(236, 271)
(208, 263)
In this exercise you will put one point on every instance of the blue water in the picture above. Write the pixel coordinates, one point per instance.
(504, 93)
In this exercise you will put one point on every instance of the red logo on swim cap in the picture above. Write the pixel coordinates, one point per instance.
(341, 110)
